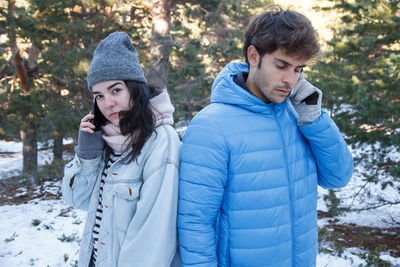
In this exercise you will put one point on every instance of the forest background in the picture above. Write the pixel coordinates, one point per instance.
(46, 47)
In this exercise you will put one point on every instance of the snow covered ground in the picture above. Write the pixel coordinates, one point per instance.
(47, 232)
(11, 157)
(40, 233)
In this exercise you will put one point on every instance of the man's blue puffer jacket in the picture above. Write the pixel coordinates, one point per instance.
(248, 180)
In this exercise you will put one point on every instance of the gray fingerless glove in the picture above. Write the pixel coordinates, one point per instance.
(90, 146)
(306, 100)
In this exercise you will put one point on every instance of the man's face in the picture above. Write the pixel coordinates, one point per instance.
(274, 78)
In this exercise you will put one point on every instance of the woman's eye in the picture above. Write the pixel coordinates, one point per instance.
(116, 90)
(98, 97)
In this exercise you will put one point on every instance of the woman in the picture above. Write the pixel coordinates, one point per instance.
(125, 171)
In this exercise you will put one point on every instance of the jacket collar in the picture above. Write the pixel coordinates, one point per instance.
(224, 90)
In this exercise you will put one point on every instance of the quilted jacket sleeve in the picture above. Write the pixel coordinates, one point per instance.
(334, 160)
(203, 176)
(80, 176)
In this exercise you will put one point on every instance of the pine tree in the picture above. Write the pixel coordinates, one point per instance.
(207, 35)
(360, 79)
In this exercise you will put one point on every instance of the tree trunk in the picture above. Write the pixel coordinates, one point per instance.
(58, 146)
(25, 74)
(29, 152)
(157, 71)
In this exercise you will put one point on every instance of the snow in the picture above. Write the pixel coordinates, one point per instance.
(347, 259)
(24, 244)
(47, 232)
(11, 157)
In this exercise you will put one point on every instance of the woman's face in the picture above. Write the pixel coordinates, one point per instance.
(112, 97)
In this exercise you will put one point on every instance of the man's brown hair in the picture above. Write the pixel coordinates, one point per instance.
(281, 29)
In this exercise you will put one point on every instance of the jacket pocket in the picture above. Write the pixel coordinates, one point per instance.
(128, 191)
(126, 195)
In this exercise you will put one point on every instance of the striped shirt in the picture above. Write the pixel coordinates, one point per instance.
(99, 212)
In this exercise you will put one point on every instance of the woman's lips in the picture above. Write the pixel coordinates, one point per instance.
(114, 114)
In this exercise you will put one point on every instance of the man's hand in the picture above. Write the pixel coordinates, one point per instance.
(306, 100)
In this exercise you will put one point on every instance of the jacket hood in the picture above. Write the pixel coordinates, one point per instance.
(224, 90)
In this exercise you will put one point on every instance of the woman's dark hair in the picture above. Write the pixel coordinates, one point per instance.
(138, 122)
(277, 28)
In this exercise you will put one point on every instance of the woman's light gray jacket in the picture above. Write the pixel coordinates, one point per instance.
(139, 204)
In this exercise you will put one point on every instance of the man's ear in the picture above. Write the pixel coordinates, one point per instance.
(252, 56)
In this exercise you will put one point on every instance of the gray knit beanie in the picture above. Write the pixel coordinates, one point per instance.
(115, 58)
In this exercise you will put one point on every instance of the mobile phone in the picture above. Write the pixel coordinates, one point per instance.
(96, 121)
(93, 110)
(99, 118)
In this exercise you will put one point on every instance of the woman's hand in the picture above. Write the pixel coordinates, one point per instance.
(86, 125)
(90, 142)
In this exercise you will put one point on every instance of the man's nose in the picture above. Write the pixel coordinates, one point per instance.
(291, 78)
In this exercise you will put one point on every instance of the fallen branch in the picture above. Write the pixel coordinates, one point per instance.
(388, 203)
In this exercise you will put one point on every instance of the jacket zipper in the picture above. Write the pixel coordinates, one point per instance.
(289, 185)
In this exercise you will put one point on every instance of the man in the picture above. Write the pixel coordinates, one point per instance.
(251, 160)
